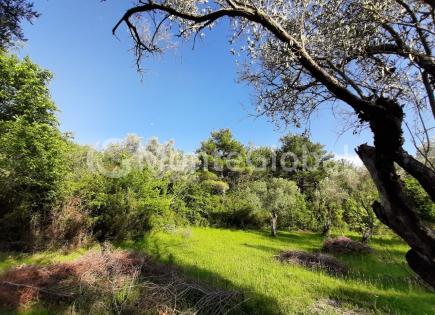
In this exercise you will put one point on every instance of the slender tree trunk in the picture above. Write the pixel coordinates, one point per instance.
(367, 235)
(274, 221)
(396, 210)
(327, 222)
(369, 231)
(325, 229)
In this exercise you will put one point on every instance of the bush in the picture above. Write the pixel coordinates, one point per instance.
(344, 245)
(424, 205)
(216, 186)
(71, 225)
(31, 152)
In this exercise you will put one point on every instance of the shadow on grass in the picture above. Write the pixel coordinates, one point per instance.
(308, 241)
(384, 272)
(404, 302)
(254, 302)
(45, 280)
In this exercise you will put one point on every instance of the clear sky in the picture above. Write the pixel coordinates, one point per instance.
(183, 94)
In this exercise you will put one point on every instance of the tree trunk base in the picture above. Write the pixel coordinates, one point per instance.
(421, 266)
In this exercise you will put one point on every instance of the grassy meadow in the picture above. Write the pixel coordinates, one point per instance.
(378, 283)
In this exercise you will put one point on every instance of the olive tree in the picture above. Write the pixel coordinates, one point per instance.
(277, 196)
(373, 57)
(362, 193)
(329, 198)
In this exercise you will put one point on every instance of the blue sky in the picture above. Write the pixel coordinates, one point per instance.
(183, 94)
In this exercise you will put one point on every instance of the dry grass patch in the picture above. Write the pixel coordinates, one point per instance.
(110, 281)
(345, 245)
(315, 261)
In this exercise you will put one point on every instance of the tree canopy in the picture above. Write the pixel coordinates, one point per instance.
(12, 13)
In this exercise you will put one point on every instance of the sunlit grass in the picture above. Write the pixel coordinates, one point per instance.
(380, 282)
(11, 259)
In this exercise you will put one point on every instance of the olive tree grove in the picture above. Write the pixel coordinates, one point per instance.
(375, 57)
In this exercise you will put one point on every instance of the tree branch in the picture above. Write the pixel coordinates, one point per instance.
(257, 15)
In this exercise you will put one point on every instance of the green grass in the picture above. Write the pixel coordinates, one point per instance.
(379, 283)
(12, 259)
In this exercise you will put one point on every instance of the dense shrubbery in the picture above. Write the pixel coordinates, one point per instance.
(54, 191)
(31, 152)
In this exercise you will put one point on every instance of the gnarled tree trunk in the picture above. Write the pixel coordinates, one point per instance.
(395, 209)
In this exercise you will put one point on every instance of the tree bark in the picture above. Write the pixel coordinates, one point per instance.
(325, 229)
(367, 235)
(396, 211)
(274, 221)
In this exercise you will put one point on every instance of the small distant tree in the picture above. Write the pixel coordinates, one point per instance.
(362, 194)
(224, 156)
(301, 160)
(328, 200)
(278, 196)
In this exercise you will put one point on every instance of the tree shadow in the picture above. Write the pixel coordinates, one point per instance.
(207, 289)
(253, 302)
(404, 302)
(267, 249)
(383, 271)
(307, 241)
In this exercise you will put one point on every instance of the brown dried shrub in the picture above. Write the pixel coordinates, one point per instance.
(345, 245)
(110, 281)
(70, 225)
(316, 261)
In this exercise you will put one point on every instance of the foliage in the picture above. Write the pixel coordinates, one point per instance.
(362, 194)
(302, 161)
(345, 198)
(202, 207)
(264, 162)
(12, 12)
(32, 150)
(280, 198)
(423, 203)
(126, 206)
(243, 208)
(223, 155)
